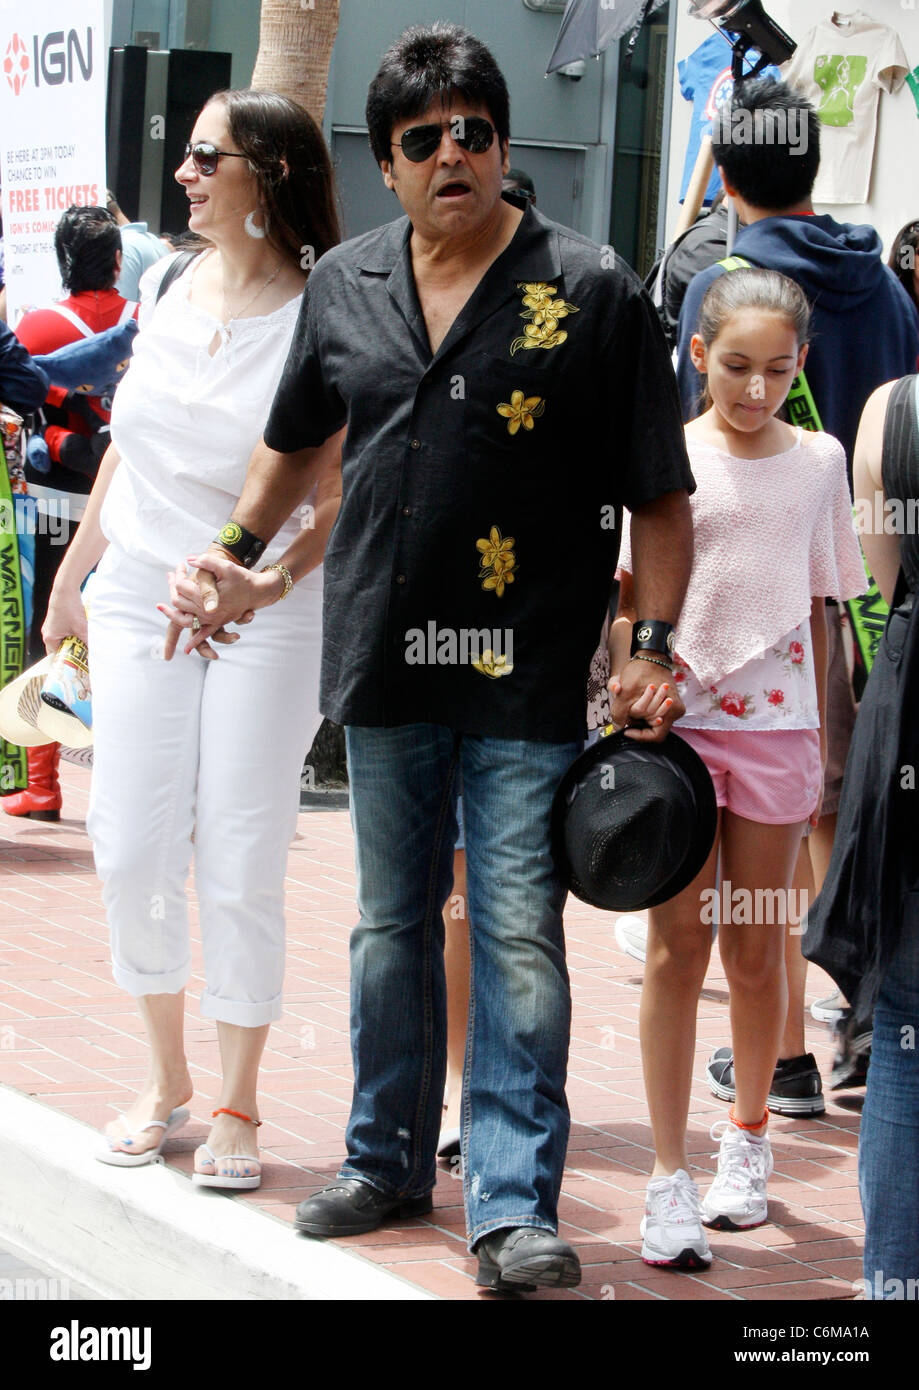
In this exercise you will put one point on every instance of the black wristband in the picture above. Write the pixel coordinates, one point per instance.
(240, 543)
(650, 635)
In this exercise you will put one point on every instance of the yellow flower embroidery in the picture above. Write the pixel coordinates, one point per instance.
(498, 561)
(521, 410)
(543, 310)
(493, 666)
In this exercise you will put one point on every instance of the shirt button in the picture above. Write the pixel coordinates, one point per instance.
(416, 443)
(407, 511)
(400, 578)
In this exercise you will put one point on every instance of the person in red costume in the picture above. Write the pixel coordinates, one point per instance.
(88, 246)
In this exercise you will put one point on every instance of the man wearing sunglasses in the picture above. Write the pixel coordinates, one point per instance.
(507, 390)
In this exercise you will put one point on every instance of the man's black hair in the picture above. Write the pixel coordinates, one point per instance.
(87, 242)
(427, 62)
(769, 170)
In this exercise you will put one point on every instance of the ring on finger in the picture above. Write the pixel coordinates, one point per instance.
(196, 624)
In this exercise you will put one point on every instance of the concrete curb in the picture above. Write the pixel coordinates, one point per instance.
(148, 1233)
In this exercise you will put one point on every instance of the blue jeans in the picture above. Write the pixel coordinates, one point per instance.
(888, 1153)
(514, 1112)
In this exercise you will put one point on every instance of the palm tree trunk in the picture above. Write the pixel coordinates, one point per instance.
(295, 47)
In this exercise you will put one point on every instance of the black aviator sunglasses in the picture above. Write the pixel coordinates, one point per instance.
(472, 133)
(205, 156)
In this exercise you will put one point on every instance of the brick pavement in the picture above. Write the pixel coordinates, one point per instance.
(70, 1038)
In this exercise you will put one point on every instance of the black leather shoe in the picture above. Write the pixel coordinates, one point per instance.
(521, 1258)
(350, 1207)
(853, 1053)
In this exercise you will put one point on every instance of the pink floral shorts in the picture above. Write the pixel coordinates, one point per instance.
(770, 776)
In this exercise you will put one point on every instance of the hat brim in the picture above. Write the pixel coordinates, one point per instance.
(13, 727)
(63, 727)
(79, 757)
(674, 750)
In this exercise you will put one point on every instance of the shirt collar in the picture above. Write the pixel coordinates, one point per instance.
(531, 256)
(534, 247)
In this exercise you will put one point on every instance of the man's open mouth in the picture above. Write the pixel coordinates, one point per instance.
(456, 189)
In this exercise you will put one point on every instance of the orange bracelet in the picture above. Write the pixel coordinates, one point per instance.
(740, 1125)
(237, 1115)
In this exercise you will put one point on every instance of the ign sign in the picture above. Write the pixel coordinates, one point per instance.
(55, 58)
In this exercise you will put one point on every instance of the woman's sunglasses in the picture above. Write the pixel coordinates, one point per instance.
(205, 157)
(472, 133)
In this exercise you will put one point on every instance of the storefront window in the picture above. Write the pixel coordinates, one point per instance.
(640, 111)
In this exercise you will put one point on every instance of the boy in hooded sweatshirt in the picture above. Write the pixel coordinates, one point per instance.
(865, 331)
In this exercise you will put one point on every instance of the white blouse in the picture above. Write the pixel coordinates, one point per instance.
(185, 423)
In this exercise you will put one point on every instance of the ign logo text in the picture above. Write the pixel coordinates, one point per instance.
(55, 58)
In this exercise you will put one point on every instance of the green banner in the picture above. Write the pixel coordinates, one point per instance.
(13, 768)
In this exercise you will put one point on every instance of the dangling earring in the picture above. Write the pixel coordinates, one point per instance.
(257, 233)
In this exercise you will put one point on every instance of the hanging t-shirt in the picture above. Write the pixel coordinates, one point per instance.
(842, 66)
(706, 81)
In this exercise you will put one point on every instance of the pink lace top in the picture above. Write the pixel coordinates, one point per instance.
(770, 534)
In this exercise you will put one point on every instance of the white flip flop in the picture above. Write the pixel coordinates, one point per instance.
(121, 1159)
(220, 1180)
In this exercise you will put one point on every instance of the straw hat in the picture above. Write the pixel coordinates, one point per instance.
(26, 720)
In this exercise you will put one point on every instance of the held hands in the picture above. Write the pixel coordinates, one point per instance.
(217, 592)
(648, 705)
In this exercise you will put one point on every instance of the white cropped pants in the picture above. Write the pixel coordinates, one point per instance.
(211, 746)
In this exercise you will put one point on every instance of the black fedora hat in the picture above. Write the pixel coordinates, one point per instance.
(633, 823)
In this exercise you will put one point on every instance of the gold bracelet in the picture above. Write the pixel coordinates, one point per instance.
(284, 572)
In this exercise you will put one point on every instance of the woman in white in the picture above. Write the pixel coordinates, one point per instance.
(197, 745)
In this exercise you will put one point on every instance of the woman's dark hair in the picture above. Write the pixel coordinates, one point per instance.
(186, 240)
(291, 163)
(439, 60)
(87, 242)
(765, 290)
(903, 258)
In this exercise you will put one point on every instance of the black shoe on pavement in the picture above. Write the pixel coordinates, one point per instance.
(519, 1259)
(796, 1087)
(350, 1207)
(853, 1053)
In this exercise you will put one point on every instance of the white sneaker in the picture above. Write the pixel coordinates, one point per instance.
(833, 1007)
(632, 937)
(736, 1199)
(671, 1228)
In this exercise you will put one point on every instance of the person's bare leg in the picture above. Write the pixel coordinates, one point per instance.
(240, 1054)
(456, 967)
(679, 946)
(820, 846)
(793, 1042)
(756, 858)
(168, 1083)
